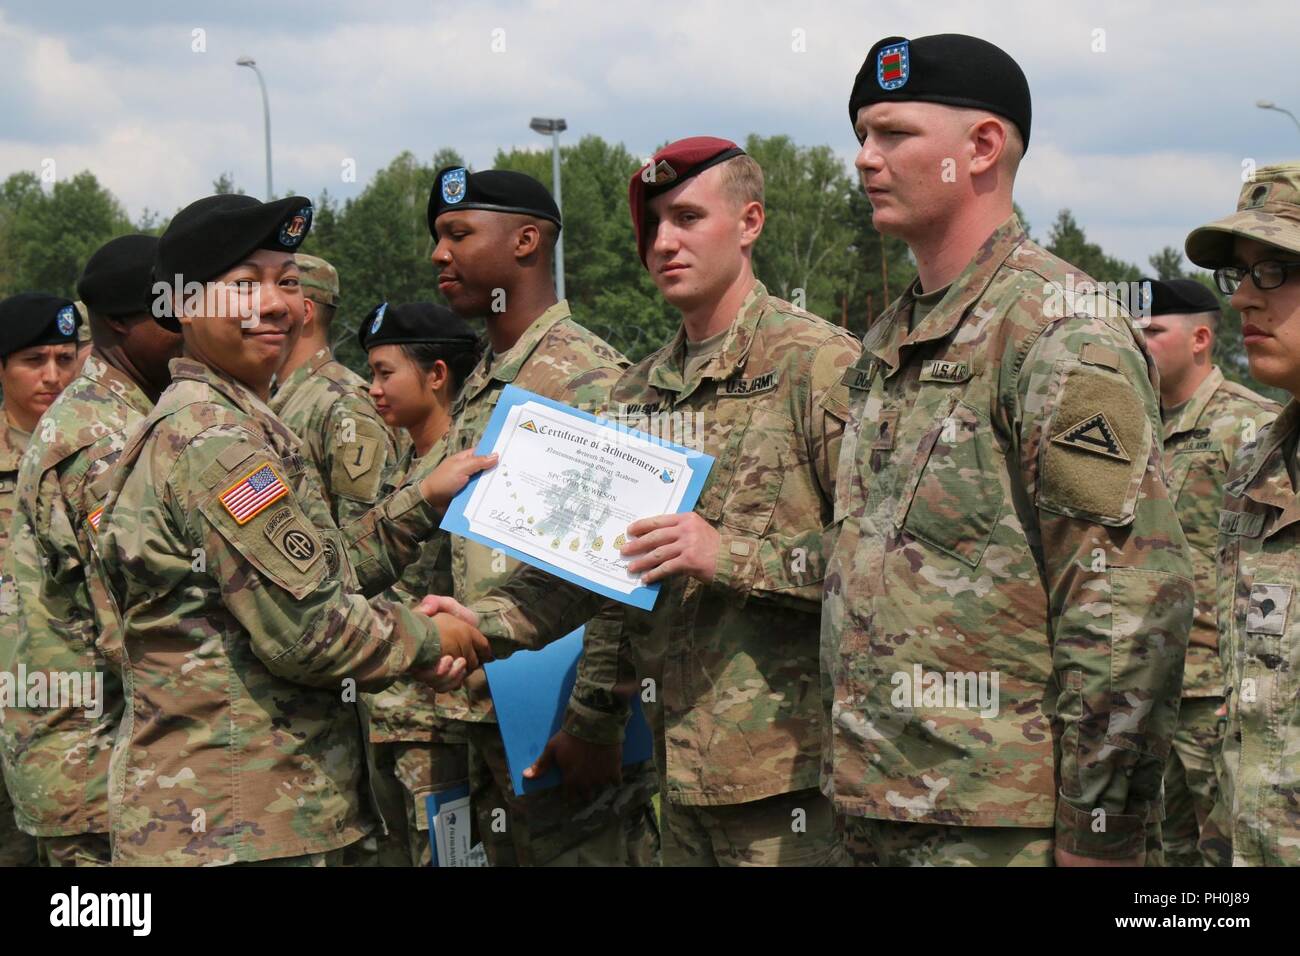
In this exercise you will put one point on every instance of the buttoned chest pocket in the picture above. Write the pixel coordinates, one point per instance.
(472, 422)
(956, 497)
(767, 450)
(1196, 488)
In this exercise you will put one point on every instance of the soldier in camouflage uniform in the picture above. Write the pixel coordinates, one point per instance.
(495, 233)
(326, 405)
(245, 630)
(1256, 257)
(1008, 595)
(419, 355)
(61, 753)
(38, 337)
(730, 649)
(1206, 419)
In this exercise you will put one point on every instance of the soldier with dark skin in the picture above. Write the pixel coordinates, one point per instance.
(1207, 419)
(38, 358)
(495, 233)
(240, 603)
(61, 752)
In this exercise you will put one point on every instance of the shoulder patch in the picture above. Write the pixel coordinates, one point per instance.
(292, 538)
(1095, 435)
(1094, 354)
(254, 493)
(358, 466)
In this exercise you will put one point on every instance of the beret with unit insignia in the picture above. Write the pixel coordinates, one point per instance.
(29, 319)
(494, 190)
(668, 168)
(416, 323)
(1178, 297)
(947, 68)
(118, 277)
(210, 236)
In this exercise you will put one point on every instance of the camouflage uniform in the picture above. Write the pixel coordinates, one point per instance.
(736, 712)
(327, 406)
(16, 847)
(418, 741)
(1000, 513)
(559, 359)
(1200, 442)
(1259, 795)
(241, 641)
(60, 756)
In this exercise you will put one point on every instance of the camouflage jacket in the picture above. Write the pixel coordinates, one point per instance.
(736, 708)
(327, 406)
(559, 359)
(1200, 444)
(1259, 573)
(245, 633)
(408, 710)
(12, 444)
(1001, 516)
(60, 755)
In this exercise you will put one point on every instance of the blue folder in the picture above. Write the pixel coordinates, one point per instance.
(530, 691)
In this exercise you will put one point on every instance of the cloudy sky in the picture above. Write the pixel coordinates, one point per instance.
(1142, 139)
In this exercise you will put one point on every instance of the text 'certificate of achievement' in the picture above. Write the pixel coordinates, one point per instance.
(565, 488)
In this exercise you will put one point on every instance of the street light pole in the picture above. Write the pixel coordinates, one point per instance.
(554, 127)
(249, 62)
(1270, 105)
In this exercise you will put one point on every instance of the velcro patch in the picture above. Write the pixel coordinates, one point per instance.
(1241, 523)
(292, 538)
(934, 370)
(887, 425)
(859, 378)
(1102, 355)
(1093, 463)
(254, 493)
(359, 456)
(1268, 607)
(1093, 435)
(749, 386)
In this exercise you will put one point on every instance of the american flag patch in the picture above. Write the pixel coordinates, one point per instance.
(259, 488)
(94, 517)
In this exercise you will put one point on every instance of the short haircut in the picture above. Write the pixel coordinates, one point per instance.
(460, 361)
(742, 179)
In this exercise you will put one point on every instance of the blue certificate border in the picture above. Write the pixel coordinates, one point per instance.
(456, 522)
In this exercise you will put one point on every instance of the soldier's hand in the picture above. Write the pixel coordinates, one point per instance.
(585, 767)
(672, 544)
(1066, 858)
(460, 639)
(435, 604)
(441, 485)
(448, 674)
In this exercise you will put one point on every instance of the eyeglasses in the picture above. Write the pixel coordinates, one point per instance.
(1268, 274)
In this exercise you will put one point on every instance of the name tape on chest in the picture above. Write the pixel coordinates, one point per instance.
(858, 378)
(748, 386)
(935, 370)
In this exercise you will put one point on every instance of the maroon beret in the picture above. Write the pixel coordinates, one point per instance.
(669, 168)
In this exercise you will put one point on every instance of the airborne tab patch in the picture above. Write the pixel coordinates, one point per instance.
(1094, 435)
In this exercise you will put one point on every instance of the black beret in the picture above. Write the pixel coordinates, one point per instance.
(1178, 297)
(211, 235)
(118, 278)
(496, 190)
(948, 68)
(29, 319)
(416, 323)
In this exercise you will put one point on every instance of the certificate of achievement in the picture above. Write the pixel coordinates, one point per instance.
(565, 488)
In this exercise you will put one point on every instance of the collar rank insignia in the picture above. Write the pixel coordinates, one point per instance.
(1093, 435)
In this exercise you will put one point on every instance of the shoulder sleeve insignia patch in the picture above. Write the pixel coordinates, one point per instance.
(253, 493)
(1094, 435)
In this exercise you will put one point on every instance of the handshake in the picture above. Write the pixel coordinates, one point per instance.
(464, 648)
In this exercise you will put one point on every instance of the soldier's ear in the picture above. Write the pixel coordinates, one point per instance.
(528, 241)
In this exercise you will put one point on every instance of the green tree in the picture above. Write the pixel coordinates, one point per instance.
(1066, 239)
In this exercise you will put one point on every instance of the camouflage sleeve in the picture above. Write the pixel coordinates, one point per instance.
(387, 538)
(1117, 573)
(360, 457)
(596, 712)
(787, 564)
(283, 578)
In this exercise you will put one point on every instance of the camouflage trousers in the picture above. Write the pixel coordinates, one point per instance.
(406, 773)
(328, 858)
(872, 842)
(1191, 782)
(615, 828)
(16, 847)
(789, 829)
(82, 849)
